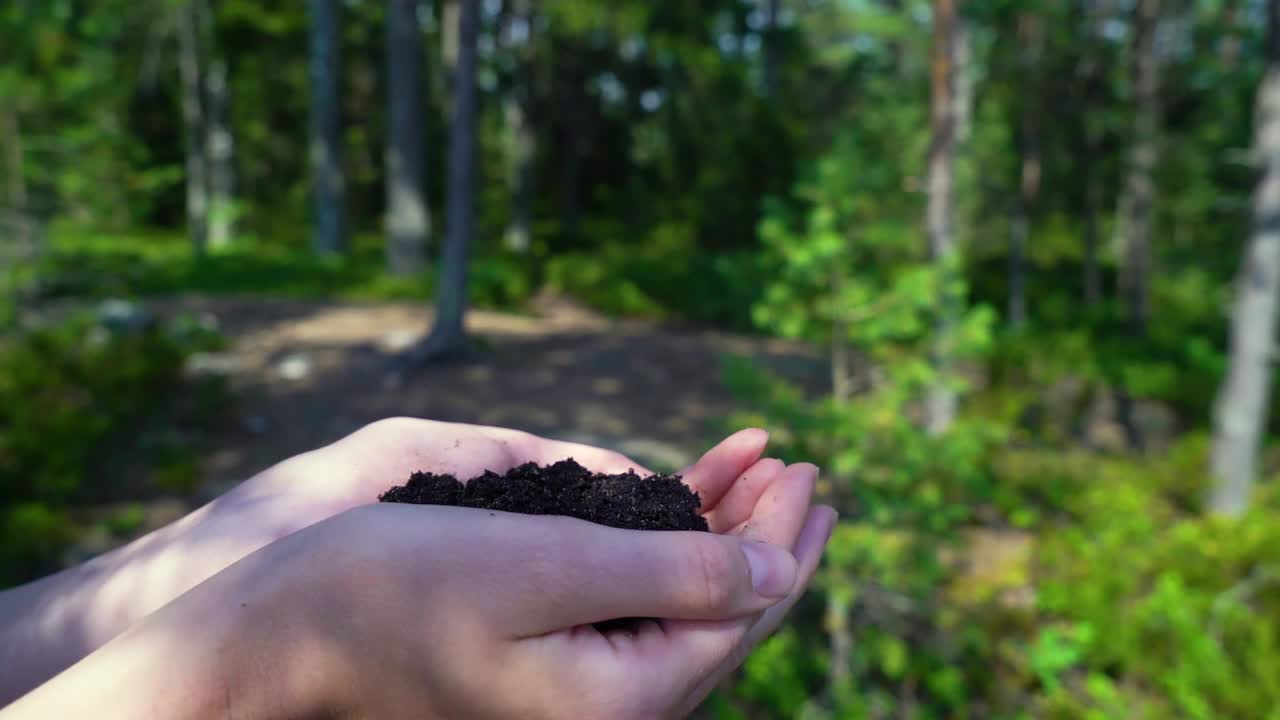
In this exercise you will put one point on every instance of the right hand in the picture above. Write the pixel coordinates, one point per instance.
(452, 613)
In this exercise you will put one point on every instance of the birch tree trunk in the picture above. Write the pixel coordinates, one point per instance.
(328, 181)
(408, 214)
(941, 402)
(1240, 414)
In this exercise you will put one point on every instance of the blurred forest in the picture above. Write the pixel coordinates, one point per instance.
(1032, 249)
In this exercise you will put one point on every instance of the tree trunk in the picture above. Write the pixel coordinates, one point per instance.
(193, 117)
(1138, 202)
(220, 148)
(1090, 76)
(941, 402)
(523, 140)
(408, 215)
(771, 49)
(21, 224)
(448, 336)
(1029, 182)
(1133, 220)
(449, 50)
(1240, 414)
(328, 180)
(571, 128)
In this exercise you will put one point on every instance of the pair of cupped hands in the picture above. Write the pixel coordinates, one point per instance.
(293, 595)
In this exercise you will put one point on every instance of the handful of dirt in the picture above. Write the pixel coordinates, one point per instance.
(657, 502)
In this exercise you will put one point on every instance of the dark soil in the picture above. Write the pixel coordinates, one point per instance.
(658, 502)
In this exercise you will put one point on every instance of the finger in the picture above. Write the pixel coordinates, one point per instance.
(809, 547)
(779, 516)
(738, 503)
(781, 509)
(808, 552)
(580, 574)
(714, 473)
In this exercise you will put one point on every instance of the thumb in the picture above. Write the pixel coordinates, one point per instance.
(607, 573)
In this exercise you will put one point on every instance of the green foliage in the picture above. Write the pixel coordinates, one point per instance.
(80, 399)
(1184, 605)
(86, 264)
(665, 277)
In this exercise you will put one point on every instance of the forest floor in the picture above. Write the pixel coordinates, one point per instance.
(305, 373)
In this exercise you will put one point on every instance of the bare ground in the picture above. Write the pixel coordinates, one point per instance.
(307, 373)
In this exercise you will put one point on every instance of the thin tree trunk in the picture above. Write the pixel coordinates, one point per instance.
(17, 182)
(1229, 45)
(328, 181)
(219, 141)
(1089, 73)
(570, 160)
(193, 117)
(449, 49)
(840, 641)
(220, 148)
(1138, 202)
(1240, 414)
(408, 215)
(448, 335)
(1029, 182)
(941, 401)
(771, 49)
(523, 148)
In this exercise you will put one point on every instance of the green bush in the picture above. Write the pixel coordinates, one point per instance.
(1120, 599)
(80, 401)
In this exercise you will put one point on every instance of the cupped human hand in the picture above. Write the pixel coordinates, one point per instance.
(98, 601)
(117, 589)
(353, 471)
(744, 497)
(431, 612)
(446, 612)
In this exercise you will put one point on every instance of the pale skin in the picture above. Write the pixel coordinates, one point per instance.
(292, 596)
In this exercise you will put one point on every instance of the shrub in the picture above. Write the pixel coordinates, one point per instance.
(79, 400)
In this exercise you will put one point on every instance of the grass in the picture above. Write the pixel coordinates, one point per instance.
(152, 263)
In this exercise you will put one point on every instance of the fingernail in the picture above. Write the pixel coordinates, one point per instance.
(773, 570)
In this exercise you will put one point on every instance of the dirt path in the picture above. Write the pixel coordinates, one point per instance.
(307, 373)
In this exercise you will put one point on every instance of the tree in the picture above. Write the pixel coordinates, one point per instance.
(522, 138)
(771, 50)
(941, 402)
(328, 180)
(17, 223)
(194, 119)
(1029, 39)
(1090, 75)
(1241, 411)
(408, 215)
(1138, 200)
(448, 335)
(219, 139)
